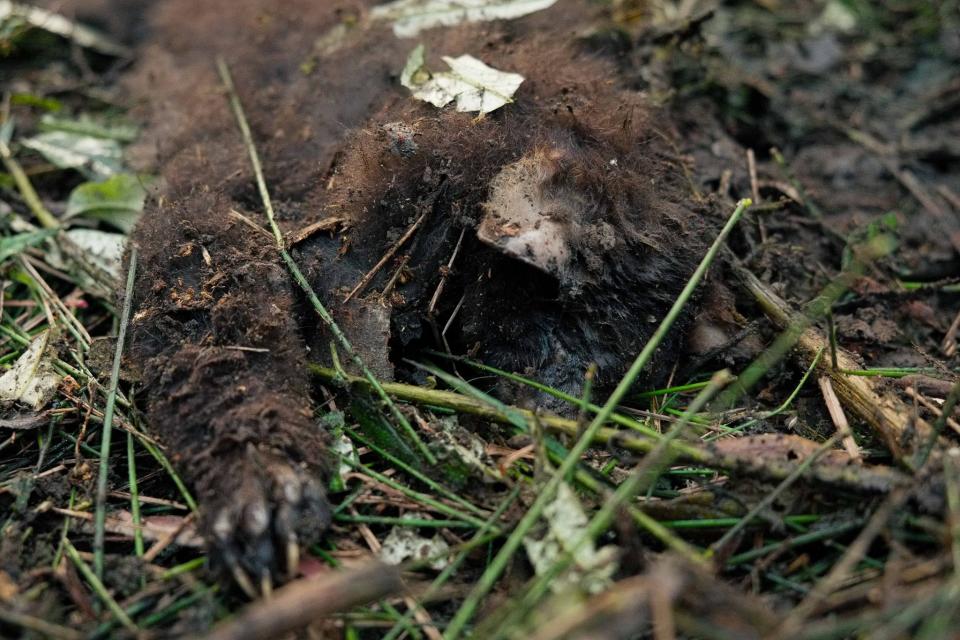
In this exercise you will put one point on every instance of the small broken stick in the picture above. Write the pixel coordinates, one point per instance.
(299, 603)
(890, 418)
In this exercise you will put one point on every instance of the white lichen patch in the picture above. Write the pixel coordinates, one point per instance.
(404, 543)
(32, 379)
(592, 568)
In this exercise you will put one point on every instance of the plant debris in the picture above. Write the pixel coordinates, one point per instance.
(32, 379)
(473, 85)
(410, 17)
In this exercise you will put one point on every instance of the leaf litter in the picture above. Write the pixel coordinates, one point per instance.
(566, 520)
(410, 17)
(472, 84)
(32, 380)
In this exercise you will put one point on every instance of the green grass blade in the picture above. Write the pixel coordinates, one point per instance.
(101, 510)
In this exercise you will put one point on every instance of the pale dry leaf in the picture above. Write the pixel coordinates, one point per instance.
(32, 380)
(410, 17)
(100, 250)
(61, 26)
(404, 543)
(471, 83)
(154, 528)
(592, 568)
(97, 157)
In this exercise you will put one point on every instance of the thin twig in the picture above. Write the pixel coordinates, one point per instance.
(365, 280)
(839, 418)
(949, 344)
(300, 603)
(445, 274)
(932, 406)
(755, 192)
(949, 403)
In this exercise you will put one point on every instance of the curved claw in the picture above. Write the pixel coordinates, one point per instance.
(263, 520)
(266, 585)
(293, 558)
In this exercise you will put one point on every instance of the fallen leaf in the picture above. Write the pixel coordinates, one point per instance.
(592, 568)
(57, 24)
(474, 85)
(111, 128)
(100, 251)
(12, 245)
(32, 379)
(410, 17)
(97, 157)
(118, 200)
(403, 543)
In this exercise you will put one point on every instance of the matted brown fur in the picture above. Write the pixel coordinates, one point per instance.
(599, 156)
(219, 331)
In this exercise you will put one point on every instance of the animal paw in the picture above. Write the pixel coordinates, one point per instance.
(258, 528)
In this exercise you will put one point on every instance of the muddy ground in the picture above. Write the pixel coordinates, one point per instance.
(638, 127)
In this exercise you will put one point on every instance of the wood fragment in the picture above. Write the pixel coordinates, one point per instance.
(365, 280)
(932, 406)
(299, 603)
(890, 418)
(236, 215)
(839, 418)
(329, 223)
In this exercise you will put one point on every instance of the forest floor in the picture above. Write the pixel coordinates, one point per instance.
(786, 463)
